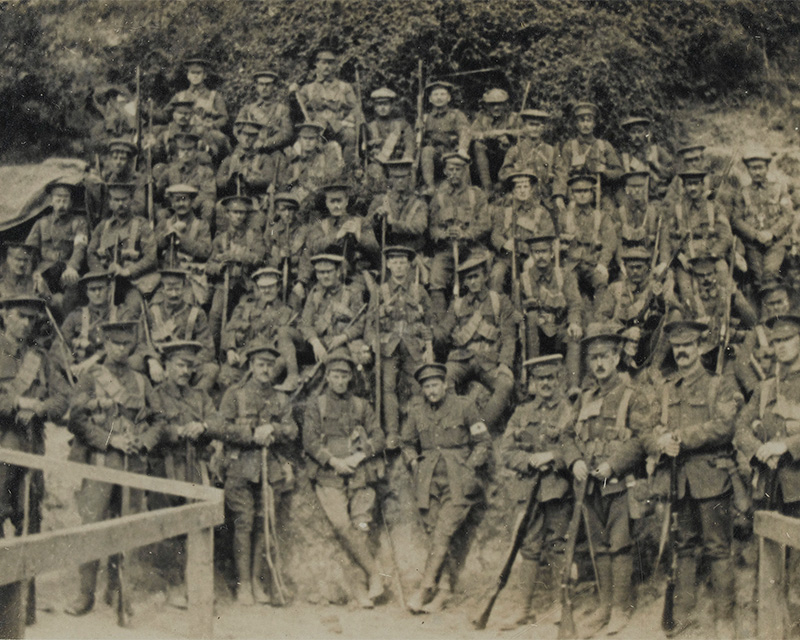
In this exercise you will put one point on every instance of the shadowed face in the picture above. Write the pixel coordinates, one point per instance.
(585, 124)
(545, 382)
(267, 288)
(638, 134)
(454, 172)
(533, 128)
(172, 286)
(120, 202)
(582, 194)
(181, 203)
(398, 265)
(776, 302)
(336, 202)
(339, 379)
(196, 74)
(637, 271)
(265, 87)
(60, 200)
(434, 389)
(787, 349)
(327, 274)
(523, 189)
(693, 187)
(97, 292)
(383, 108)
(19, 322)
(440, 97)
(475, 280)
(757, 170)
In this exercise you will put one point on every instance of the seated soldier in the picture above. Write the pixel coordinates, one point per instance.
(481, 326)
(162, 139)
(643, 155)
(553, 307)
(261, 316)
(531, 447)
(209, 105)
(187, 165)
(61, 235)
(271, 111)
(533, 153)
(344, 441)
(520, 211)
(255, 423)
(173, 318)
(17, 273)
(445, 131)
(492, 132)
(184, 240)
(118, 168)
(311, 163)
(389, 137)
(234, 254)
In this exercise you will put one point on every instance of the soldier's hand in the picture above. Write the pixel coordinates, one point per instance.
(355, 459)
(669, 444)
(661, 267)
(504, 370)
(299, 290)
(600, 275)
(264, 435)
(232, 357)
(764, 237)
(337, 341)
(541, 459)
(69, 277)
(38, 282)
(178, 226)
(603, 472)
(580, 471)
(320, 352)
(771, 449)
(413, 465)
(574, 331)
(560, 205)
(293, 88)
(193, 430)
(155, 370)
(124, 443)
(129, 254)
(341, 466)
(34, 406)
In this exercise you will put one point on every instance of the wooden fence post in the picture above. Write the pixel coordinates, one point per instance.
(200, 581)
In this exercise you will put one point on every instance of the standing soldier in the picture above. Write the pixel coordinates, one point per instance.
(642, 155)
(252, 416)
(209, 105)
(585, 154)
(262, 316)
(271, 112)
(117, 419)
(493, 132)
(459, 220)
(405, 334)
(553, 307)
(61, 236)
(342, 436)
(445, 131)
(187, 410)
(312, 163)
(330, 306)
(521, 211)
(482, 328)
(762, 217)
(696, 428)
(587, 230)
(188, 165)
(532, 448)
(605, 446)
(389, 137)
(533, 153)
(173, 318)
(445, 442)
(332, 103)
(125, 245)
(406, 214)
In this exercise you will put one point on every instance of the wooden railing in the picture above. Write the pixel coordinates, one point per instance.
(24, 557)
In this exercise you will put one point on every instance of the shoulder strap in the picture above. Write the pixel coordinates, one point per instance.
(241, 400)
(622, 409)
(85, 324)
(190, 322)
(134, 231)
(158, 317)
(766, 391)
(665, 403)
(322, 403)
(494, 298)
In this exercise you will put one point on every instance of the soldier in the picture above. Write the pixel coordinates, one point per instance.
(405, 213)
(459, 219)
(342, 436)
(637, 219)
(212, 141)
(332, 103)
(31, 391)
(125, 245)
(585, 154)
(188, 165)
(286, 239)
(248, 171)
(762, 217)
(187, 410)
(329, 308)
(17, 276)
(271, 111)
(118, 168)
(445, 443)
(533, 153)
(445, 131)
(405, 335)
(553, 307)
(389, 137)
(531, 447)
(482, 328)
(117, 419)
(493, 132)
(173, 318)
(521, 209)
(696, 428)
(261, 316)
(604, 445)
(312, 163)
(642, 155)
(209, 105)
(61, 236)
(254, 416)
(588, 232)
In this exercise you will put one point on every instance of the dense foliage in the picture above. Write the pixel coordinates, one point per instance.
(642, 55)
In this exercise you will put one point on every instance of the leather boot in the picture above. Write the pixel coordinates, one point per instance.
(685, 592)
(621, 605)
(427, 586)
(258, 570)
(357, 544)
(724, 597)
(88, 583)
(112, 579)
(599, 619)
(242, 559)
(528, 571)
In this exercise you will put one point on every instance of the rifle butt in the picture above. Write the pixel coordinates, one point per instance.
(566, 627)
(481, 621)
(668, 613)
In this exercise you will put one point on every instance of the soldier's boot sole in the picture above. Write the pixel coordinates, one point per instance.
(439, 601)
(619, 620)
(376, 588)
(80, 607)
(419, 599)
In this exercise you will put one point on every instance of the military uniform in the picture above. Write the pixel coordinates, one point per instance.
(257, 170)
(273, 114)
(649, 157)
(444, 444)
(387, 137)
(406, 217)
(328, 311)
(362, 248)
(533, 154)
(492, 137)
(308, 172)
(192, 169)
(333, 103)
(637, 220)
(209, 106)
(444, 130)
(98, 180)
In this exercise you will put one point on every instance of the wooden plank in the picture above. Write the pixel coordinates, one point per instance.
(113, 476)
(778, 527)
(12, 618)
(200, 582)
(22, 558)
(771, 591)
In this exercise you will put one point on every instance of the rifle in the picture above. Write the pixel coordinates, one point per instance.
(362, 157)
(64, 346)
(456, 279)
(525, 95)
(668, 613)
(517, 538)
(496, 133)
(125, 500)
(270, 530)
(151, 184)
(724, 330)
(419, 125)
(659, 224)
(137, 136)
(566, 628)
(112, 312)
(522, 327)
(301, 103)
(226, 285)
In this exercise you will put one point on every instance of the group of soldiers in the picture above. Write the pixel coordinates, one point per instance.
(586, 315)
